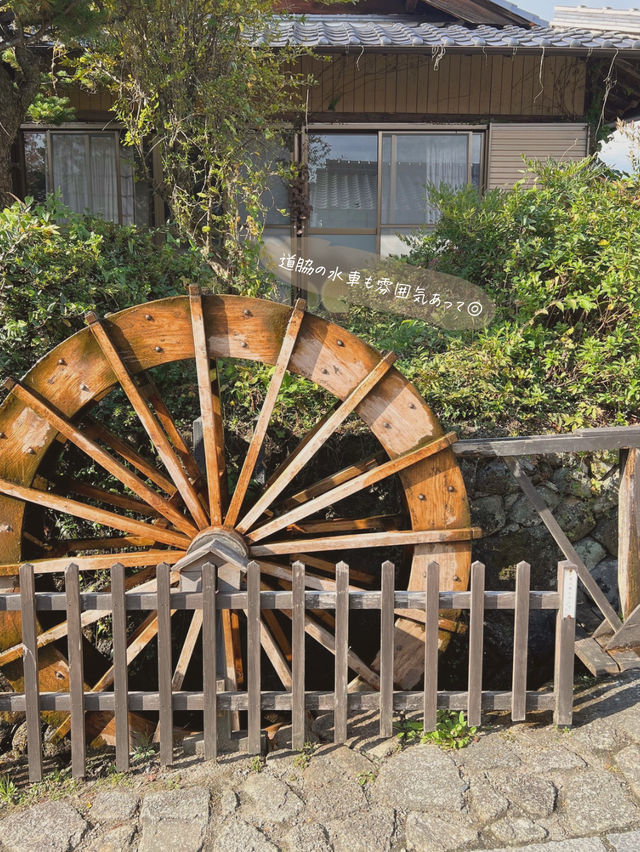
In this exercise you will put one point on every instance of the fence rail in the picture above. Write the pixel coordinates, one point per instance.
(299, 601)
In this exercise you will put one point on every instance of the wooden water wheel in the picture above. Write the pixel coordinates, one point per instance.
(163, 504)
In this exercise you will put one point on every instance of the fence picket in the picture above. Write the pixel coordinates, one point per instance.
(386, 648)
(432, 592)
(253, 657)
(30, 671)
(120, 672)
(298, 657)
(165, 698)
(342, 651)
(476, 623)
(76, 670)
(565, 643)
(520, 643)
(209, 659)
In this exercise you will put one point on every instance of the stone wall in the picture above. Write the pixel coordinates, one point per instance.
(582, 492)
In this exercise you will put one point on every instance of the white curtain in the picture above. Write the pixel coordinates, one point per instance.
(84, 170)
(68, 151)
(409, 164)
(104, 180)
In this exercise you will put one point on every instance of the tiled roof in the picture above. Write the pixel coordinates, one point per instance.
(403, 31)
(616, 20)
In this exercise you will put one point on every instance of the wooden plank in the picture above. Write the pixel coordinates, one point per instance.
(629, 532)
(264, 418)
(386, 649)
(112, 498)
(393, 538)
(97, 563)
(323, 485)
(430, 703)
(319, 564)
(209, 658)
(520, 642)
(608, 438)
(297, 642)
(591, 655)
(121, 674)
(164, 665)
(93, 429)
(299, 447)
(314, 700)
(30, 672)
(333, 525)
(342, 649)
(629, 634)
(364, 480)
(565, 641)
(76, 671)
(476, 641)
(563, 543)
(316, 442)
(210, 433)
(276, 646)
(151, 425)
(100, 456)
(90, 513)
(253, 658)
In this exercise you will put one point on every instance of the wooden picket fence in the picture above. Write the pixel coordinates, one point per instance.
(254, 700)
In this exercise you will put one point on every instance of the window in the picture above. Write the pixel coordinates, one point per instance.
(90, 169)
(368, 188)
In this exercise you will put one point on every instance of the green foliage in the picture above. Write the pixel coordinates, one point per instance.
(195, 80)
(8, 790)
(56, 265)
(303, 758)
(452, 731)
(561, 260)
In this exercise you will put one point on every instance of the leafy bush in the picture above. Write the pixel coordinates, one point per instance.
(561, 259)
(55, 265)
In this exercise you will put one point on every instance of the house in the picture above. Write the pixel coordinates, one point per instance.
(416, 91)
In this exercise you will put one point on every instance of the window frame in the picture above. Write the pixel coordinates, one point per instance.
(86, 129)
(396, 129)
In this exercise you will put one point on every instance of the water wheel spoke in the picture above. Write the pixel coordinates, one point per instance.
(328, 482)
(210, 410)
(112, 498)
(392, 538)
(99, 432)
(374, 522)
(271, 397)
(312, 445)
(275, 645)
(148, 420)
(346, 489)
(99, 455)
(97, 563)
(66, 546)
(152, 396)
(312, 580)
(90, 513)
(327, 567)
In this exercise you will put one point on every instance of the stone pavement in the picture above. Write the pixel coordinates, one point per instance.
(527, 786)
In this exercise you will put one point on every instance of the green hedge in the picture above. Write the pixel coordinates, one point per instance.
(561, 259)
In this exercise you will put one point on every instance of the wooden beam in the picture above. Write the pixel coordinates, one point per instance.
(629, 532)
(583, 440)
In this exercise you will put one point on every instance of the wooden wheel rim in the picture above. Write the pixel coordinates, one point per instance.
(76, 373)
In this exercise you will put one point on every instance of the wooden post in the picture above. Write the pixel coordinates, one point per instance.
(164, 664)
(209, 660)
(432, 595)
(342, 651)
(565, 643)
(30, 670)
(629, 532)
(476, 638)
(253, 657)
(120, 673)
(76, 670)
(520, 643)
(386, 649)
(297, 642)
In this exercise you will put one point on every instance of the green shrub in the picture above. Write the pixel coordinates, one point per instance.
(561, 259)
(55, 265)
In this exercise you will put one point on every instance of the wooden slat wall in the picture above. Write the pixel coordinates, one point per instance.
(509, 142)
(459, 85)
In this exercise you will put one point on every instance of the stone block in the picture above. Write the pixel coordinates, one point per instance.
(596, 801)
(49, 827)
(236, 835)
(629, 841)
(271, 800)
(113, 806)
(432, 833)
(575, 517)
(488, 514)
(363, 831)
(516, 830)
(590, 551)
(406, 781)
